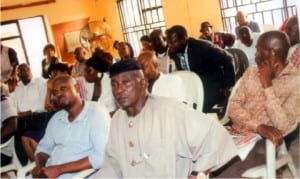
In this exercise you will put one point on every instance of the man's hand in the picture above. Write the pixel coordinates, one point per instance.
(266, 73)
(37, 172)
(52, 171)
(270, 133)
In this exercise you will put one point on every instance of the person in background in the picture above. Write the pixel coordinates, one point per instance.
(49, 61)
(81, 55)
(208, 34)
(125, 50)
(157, 137)
(9, 63)
(146, 44)
(229, 40)
(247, 42)
(267, 100)
(56, 70)
(160, 84)
(76, 135)
(97, 83)
(242, 20)
(160, 47)
(212, 64)
(292, 30)
(29, 97)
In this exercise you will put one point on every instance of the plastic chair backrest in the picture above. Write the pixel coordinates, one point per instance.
(240, 62)
(225, 118)
(193, 89)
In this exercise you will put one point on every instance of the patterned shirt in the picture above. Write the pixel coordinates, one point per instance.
(278, 105)
(294, 55)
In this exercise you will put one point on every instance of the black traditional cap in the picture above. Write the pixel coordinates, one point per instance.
(125, 65)
(97, 63)
(204, 25)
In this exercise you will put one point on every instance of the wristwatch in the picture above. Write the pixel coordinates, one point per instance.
(200, 175)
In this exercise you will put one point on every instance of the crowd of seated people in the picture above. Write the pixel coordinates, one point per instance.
(127, 115)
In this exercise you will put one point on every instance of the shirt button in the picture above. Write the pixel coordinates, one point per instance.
(133, 163)
(130, 124)
(130, 143)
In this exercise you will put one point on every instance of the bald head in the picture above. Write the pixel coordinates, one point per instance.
(241, 18)
(277, 41)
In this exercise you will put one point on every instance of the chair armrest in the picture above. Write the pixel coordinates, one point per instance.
(84, 173)
(7, 142)
(270, 159)
(22, 172)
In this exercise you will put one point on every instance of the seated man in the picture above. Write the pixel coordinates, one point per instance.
(267, 100)
(76, 135)
(160, 84)
(29, 97)
(247, 42)
(157, 137)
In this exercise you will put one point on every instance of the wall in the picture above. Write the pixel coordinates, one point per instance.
(63, 11)
(189, 13)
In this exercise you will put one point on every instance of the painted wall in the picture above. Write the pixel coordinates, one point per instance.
(189, 13)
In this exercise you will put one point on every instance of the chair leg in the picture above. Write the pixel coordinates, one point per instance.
(293, 169)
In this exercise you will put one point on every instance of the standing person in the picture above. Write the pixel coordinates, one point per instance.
(242, 20)
(157, 137)
(49, 61)
(212, 64)
(160, 46)
(78, 69)
(267, 100)
(9, 63)
(76, 135)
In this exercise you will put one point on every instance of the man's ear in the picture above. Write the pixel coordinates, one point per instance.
(77, 87)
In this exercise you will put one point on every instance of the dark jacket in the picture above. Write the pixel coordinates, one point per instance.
(45, 73)
(212, 64)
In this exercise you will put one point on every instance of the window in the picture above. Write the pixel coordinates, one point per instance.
(267, 12)
(28, 45)
(138, 18)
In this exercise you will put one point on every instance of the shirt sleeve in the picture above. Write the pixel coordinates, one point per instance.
(208, 142)
(283, 116)
(236, 112)
(111, 168)
(47, 143)
(99, 135)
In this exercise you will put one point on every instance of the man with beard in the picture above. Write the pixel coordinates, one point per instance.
(76, 135)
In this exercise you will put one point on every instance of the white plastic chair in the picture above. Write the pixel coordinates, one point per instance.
(15, 164)
(25, 171)
(274, 161)
(193, 87)
(225, 118)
